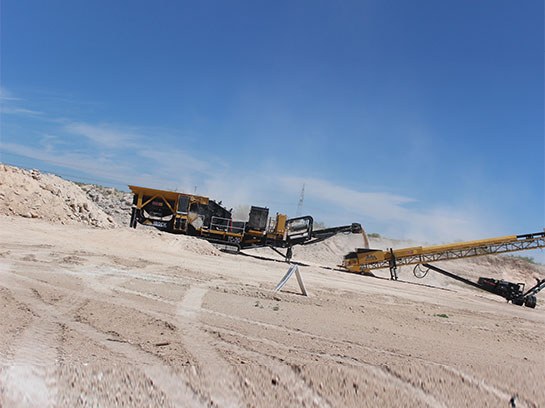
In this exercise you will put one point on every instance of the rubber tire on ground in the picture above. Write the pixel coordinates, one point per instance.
(530, 302)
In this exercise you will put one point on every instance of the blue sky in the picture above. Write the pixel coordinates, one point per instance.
(420, 119)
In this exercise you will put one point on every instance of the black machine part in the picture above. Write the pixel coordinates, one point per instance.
(512, 292)
(325, 233)
(299, 230)
(259, 217)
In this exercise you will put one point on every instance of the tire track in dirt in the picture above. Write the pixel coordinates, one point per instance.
(191, 310)
(222, 386)
(304, 392)
(105, 269)
(468, 378)
(384, 372)
(28, 377)
(174, 386)
(191, 306)
(197, 341)
(300, 391)
(12, 328)
(93, 288)
(109, 283)
(223, 389)
(482, 385)
(380, 371)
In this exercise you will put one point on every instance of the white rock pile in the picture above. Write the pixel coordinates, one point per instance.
(32, 194)
(117, 204)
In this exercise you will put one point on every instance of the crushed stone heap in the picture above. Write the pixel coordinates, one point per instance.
(117, 204)
(32, 194)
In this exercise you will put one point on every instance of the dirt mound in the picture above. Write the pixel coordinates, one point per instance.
(117, 204)
(331, 251)
(506, 267)
(32, 194)
(171, 242)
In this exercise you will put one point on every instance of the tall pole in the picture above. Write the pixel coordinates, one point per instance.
(300, 204)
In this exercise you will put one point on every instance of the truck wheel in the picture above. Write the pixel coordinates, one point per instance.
(530, 302)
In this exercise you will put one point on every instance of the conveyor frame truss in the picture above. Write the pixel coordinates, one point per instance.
(423, 255)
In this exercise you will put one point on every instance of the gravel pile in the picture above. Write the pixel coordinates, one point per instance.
(117, 204)
(32, 194)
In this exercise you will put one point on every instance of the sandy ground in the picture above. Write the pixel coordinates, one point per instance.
(119, 317)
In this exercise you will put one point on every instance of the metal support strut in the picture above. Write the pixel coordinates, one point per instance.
(393, 266)
(512, 292)
(287, 256)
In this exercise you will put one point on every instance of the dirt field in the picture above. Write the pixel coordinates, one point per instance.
(120, 317)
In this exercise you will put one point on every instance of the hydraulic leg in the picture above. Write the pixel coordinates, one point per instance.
(393, 266)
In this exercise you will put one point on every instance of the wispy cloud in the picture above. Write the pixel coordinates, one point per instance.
(105, 135)
(176, 161)
(99, 166)
(374, 204)
(9, 105)
(12, 110)
(5, 95)
(392, 214)
(136, 162)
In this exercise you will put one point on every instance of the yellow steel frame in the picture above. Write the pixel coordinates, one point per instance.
(365, 260)
(163, 195)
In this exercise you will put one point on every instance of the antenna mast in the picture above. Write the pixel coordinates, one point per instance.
(300, 204)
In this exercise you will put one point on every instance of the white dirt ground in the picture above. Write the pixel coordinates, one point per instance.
(119, 317)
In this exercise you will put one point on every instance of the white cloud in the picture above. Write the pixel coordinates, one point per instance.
(103, 135)
(375, 204)
(394, 215)
(159, 168)
(11, 110)
(8, 105)
(98, 166)
(175, 161)
(5, 95)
